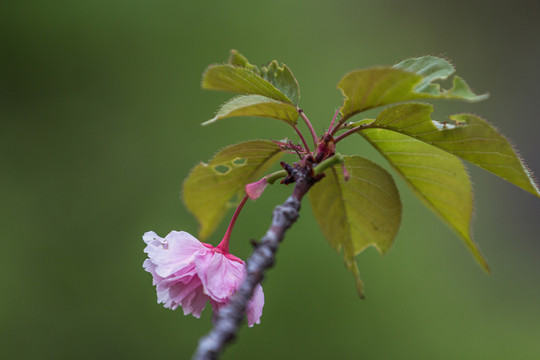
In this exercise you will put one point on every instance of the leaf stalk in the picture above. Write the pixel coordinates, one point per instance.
(302, 138)
(310, 127)
(325, 164)
(352, 131)
(271, 178)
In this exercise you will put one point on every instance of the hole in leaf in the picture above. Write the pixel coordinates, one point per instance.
(222, 169)
(239, 161)
(444, 125)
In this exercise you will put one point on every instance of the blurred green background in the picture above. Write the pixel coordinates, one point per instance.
(100, 108)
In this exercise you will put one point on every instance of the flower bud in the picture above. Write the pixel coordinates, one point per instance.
(255, 190)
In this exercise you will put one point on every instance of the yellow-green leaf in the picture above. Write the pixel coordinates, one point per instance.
(274, 81)
(256, 105)
(212, 189)
(431, 68)
(437, 177)
(411, 79)
(282, 78)
(240, 80)
(278, 75)
(363, 211)
(466, 136)
(238, 59)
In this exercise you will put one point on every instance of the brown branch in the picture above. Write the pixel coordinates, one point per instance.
(230, 317)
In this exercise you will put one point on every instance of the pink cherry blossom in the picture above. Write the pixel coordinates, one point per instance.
(189, 273)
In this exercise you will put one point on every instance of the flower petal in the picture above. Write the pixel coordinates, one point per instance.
(255, 306)
(151, 238)
(175, 252)
(197, 304)
(190, 296)
(219, 275)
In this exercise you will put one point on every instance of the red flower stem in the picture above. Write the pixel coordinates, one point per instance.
(302, 138)
(224, 244)
(310, 127)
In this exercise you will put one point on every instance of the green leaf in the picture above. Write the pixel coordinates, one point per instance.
(238, 59)
(274, 80)
(431, 68)
(409, 80)
(278, 75)
(363, 211)
(256, 105)
(460, 90)
(466, 136)
(438, 178)
(240, 80)
(283, 79)
(212, 189)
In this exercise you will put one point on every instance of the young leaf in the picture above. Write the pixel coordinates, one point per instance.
(363, 211)
(466, 136)
(431, 68)
(256, 105)
(279, 76)
(210, 188)
(274, 81)
(240, 80)
(238, 59)
(283, 79)
(411, 79)
(438, 178)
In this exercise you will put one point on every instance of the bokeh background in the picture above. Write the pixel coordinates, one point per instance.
(100, 106)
